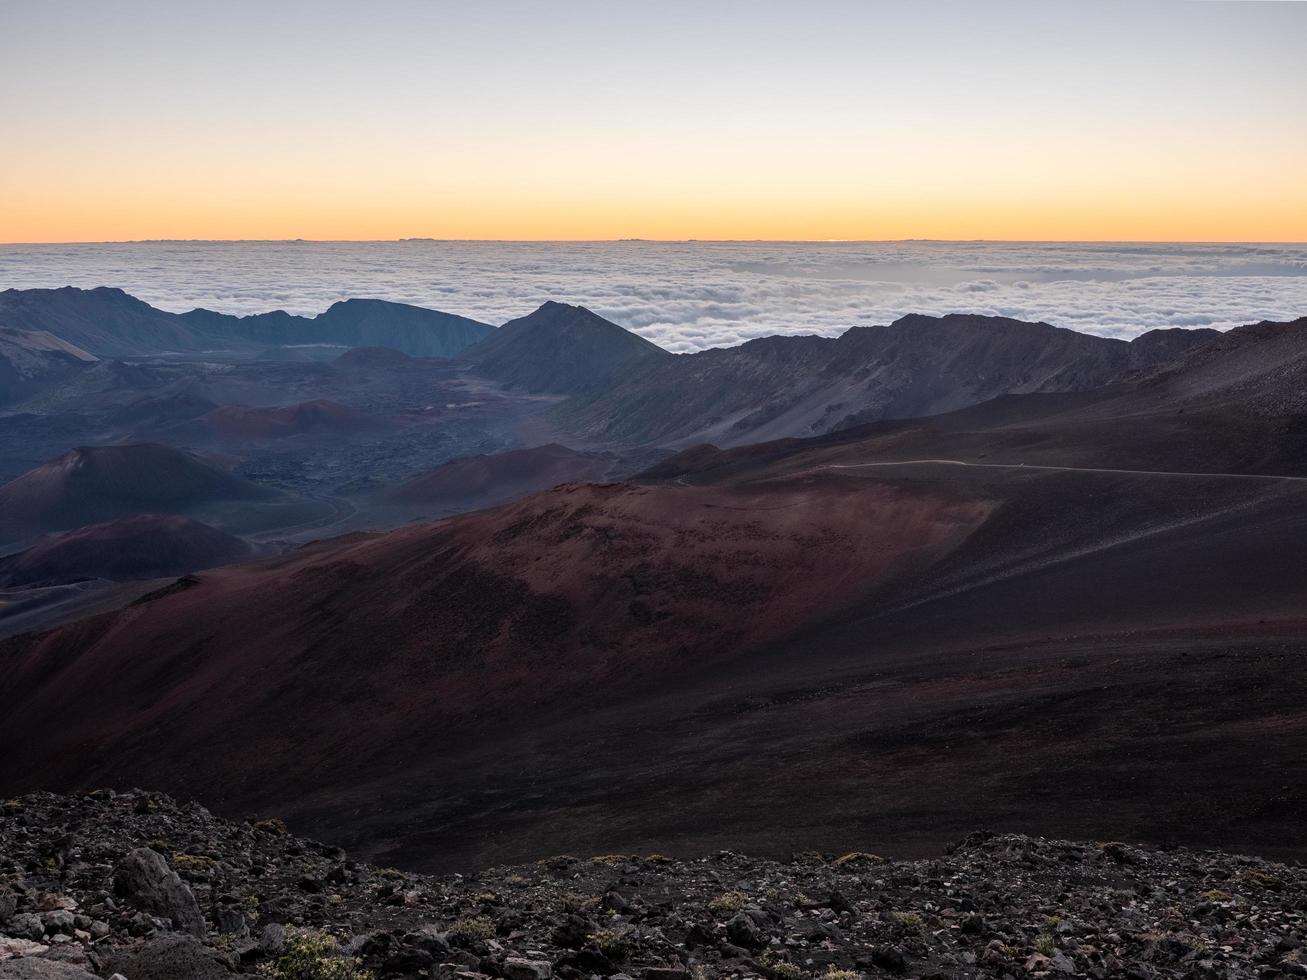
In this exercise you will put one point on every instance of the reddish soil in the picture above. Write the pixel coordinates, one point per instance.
(369, 654)
(494, 478)
(150, 546)
(241, 422)
(1079, 615)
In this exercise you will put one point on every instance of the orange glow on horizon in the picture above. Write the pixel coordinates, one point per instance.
(584, 121)
(1260, 215)
(1079, 187)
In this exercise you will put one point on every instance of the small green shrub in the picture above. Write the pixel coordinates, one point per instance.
(1258, 879)
(196, 863)
(476, 929)
(559, 862)
(855, 858)
(780, 968)
(908, 920)
(313, 955)
(1045, 945)
(576, 902)
(614, 859)
(728, 902)
(612, 944)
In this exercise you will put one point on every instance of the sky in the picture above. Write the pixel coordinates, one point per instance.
(713, 119)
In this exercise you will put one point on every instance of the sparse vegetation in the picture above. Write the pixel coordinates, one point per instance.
(195, 863)
(780, 968)
(557, 862)
(612, 944)
(728, 902)
(313, 955)
(908, 920)
(856, 858)
(1258, 879)
(475, 929)
(576, 902)
(996, 906)
(273, 825)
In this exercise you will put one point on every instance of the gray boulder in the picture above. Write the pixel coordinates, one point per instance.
(8, 904)
(26, 925)
(36, 968)
(144, 880)
(170, 957)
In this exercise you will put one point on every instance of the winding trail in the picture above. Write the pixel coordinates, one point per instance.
(341, 511)
(1062, 469)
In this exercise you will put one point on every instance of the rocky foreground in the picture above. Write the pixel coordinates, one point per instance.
(146, 888)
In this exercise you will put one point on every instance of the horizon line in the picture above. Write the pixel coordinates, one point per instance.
(417, 239)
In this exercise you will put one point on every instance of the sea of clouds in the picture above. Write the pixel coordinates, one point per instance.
(687, 296)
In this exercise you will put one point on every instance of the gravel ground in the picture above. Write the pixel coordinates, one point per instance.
(147, 887)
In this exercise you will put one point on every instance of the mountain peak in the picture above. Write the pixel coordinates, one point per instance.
(551, 312)
(971, 321)
(560, 348)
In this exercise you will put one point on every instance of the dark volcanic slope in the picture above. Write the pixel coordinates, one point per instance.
(109, 323)
(370, 654)
(150, 546)
(799, 386)
(489, 479)
(101, 483)
(859, 640)
(33, 359)
(994, 906)
(561, 349)
(798, 653)
(103, 321)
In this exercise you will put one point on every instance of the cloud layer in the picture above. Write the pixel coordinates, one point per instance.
(689, 296)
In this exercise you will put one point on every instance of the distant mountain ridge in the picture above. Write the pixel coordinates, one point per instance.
(107, 322)
(621, 388)
(777, 387)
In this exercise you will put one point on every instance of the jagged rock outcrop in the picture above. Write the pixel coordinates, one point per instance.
(144, 879)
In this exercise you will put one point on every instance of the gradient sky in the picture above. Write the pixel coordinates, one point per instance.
(821, 119)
